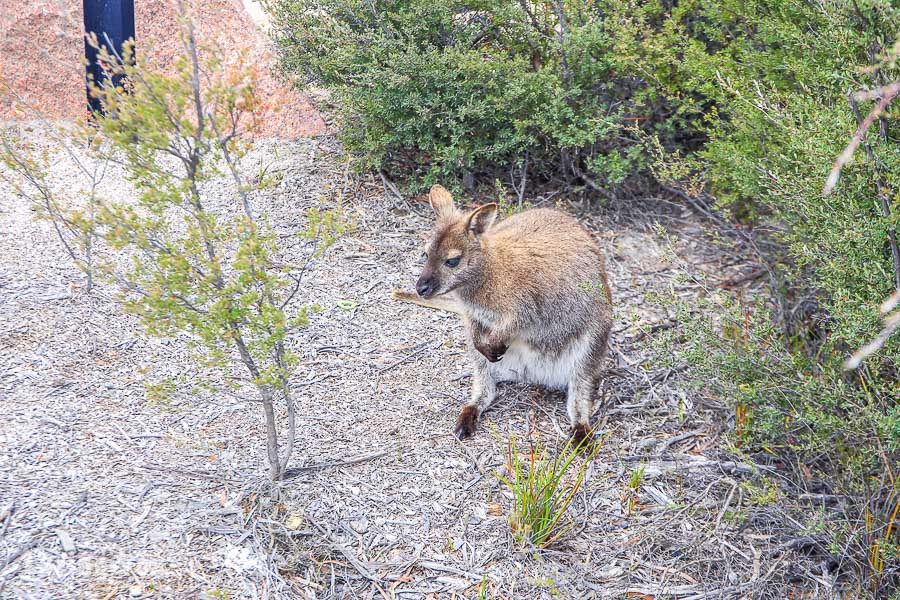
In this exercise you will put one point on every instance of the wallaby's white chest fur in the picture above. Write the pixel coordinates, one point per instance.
(524, 364)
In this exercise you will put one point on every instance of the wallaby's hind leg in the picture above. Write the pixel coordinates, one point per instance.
(580, 405)
(583, 387)
(484, 390)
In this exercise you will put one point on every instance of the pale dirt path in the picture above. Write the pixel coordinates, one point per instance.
(114, 495)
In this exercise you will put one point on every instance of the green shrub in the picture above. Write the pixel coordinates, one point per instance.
(784, 399)
(771, 80)
(778, 74)
(439, 90)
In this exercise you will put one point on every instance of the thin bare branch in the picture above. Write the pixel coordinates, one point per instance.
(886, 94)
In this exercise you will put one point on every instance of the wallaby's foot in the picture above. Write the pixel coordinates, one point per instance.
(465, 424)
(582, 437)
(493, 352)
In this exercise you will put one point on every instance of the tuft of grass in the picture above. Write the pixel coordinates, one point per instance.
(482, 588)
(634, 487)
(159, 394)
(880, 534)
(763, 492)
(543, 487)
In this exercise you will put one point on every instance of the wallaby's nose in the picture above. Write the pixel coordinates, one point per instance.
(425, 287)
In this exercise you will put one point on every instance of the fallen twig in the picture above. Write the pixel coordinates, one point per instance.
(389, 185)
(295, 471)
(427, 564)
(422, 347)
(665, 445)
(735, 281)
(7, 517)
(19, 551)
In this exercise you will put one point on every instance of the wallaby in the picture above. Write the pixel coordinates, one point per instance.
(534, 297)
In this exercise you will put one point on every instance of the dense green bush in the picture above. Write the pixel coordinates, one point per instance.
(439, 90)
(778, 74)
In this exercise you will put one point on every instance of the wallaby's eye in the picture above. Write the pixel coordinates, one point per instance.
(452, 262)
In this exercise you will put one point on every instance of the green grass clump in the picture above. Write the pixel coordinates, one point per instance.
(543, 487)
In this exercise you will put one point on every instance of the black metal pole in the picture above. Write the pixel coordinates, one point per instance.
(113, 22)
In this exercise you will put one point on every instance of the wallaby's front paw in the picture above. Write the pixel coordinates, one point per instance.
(494, 353)
(582, 437)
(497, 352)
(465, 424)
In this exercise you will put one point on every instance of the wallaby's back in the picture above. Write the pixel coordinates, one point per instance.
(546, 266)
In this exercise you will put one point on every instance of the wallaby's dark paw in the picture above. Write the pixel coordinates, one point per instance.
(582, 437)
(465, 424)
(492, 353)
(497, 352)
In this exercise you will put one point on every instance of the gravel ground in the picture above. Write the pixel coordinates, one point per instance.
(106, 493)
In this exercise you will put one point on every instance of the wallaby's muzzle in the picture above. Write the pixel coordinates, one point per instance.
(426, 286)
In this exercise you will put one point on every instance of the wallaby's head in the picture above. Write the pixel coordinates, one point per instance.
(453, 256)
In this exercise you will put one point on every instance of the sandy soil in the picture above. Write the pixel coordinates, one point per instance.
(42, 53)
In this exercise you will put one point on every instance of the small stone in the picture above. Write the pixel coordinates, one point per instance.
(294, 521)
(65, 540)
(360, 525)
(610, 571)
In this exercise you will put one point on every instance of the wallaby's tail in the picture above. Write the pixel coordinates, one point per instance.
(437, 303)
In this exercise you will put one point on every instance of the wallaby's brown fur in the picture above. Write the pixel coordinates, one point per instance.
(534, 297)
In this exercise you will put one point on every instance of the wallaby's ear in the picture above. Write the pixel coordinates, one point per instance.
(441, 200)
(481, 219)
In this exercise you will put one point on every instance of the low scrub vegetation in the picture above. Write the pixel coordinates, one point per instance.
(737, 107)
